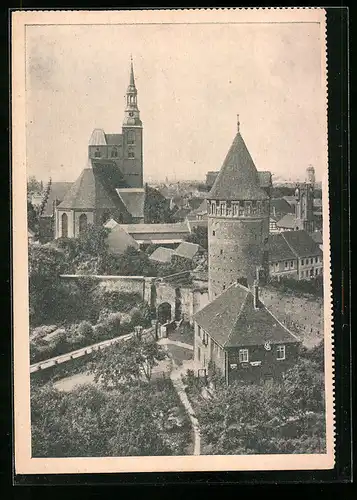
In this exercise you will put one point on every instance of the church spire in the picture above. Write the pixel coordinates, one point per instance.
(132, 79)
(132, 115)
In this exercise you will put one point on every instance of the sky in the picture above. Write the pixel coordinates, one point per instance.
(192, 81)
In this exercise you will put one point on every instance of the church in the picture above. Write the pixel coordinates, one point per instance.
(111, 185)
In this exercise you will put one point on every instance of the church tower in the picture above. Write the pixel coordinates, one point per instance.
(132, 132)
(304, 208)
(238, 221)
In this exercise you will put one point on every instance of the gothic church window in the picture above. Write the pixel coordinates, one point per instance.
(235, 209)
(82, 223)
(64, 225)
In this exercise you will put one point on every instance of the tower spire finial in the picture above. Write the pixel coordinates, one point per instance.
(132, 79)
(238, 123)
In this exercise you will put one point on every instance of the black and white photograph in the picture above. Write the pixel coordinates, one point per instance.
(172, 304)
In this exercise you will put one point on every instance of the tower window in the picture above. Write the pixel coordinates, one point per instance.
(221, 251)
(131, 137)
(97, 153)
(248, 207)
(235, 209)
(223, 208)
(114, 153)
(131, 154)
(213, 208)
(213, 233)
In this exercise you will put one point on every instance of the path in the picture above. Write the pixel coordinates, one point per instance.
(175, 376)
(83, 351)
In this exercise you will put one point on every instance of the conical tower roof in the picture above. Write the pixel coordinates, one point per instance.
(238, 178)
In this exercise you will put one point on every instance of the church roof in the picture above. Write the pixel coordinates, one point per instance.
(57, 193)
(97, 138)
(232, 321)
(238, 178)
(114, 139)
(134, 200)
(87, 192)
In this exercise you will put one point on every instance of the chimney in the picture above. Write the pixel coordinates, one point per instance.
(256, 294)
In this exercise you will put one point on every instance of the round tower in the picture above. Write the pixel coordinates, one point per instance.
(310, 175)
(238, 221)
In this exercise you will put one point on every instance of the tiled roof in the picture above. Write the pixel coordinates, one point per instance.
(317, 237)
(110, 224)
(238, 178)
(302, 243)
(97, 138)
(291, 200)
(289, 221)
(281, 206)
(187, 250)
(197, 223)
(232, 321)
(119, 240)
(265, 179)
(114, 139)
(162, 254)
(279, 249)
(87, 192)
(154, 229)
(57, 192)
(133, 199)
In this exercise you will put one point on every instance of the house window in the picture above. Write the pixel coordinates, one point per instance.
(286, 265)
(311, 261)
(280, 352)
(64, 225)
(316, 272)
(291, 264)
(199, 331)
(97, 153)
(198, 354)
(316, 259)
(276, 266)
(213, 233)
(131, 154)
(302, 262)
(82, 223)
(243, 356)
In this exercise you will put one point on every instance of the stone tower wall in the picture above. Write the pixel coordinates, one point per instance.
(235, 250)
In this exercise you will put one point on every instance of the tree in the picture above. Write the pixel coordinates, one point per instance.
(33, 185)
(199, 235)
(287, 417)
(131, 260)
(127, 361)
(157, 207)
(89, 422)
(32, 217)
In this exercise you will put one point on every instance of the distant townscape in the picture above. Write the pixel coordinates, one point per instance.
(204, 297)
